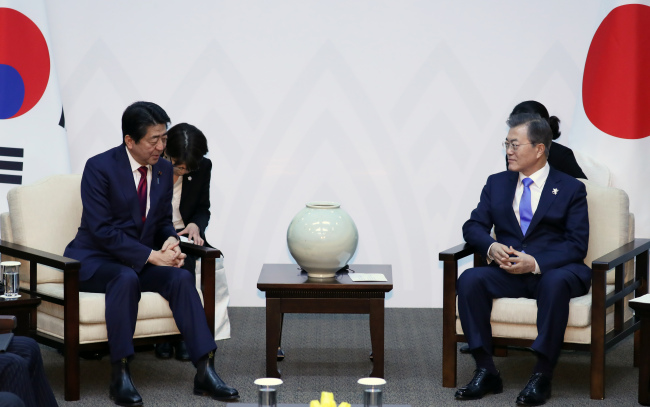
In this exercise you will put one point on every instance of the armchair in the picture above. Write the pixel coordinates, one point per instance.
(42, 219)
(597, 320)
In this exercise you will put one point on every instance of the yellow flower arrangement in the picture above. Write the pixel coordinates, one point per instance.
(327, 400)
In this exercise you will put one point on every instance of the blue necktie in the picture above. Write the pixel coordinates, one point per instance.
(525, 207)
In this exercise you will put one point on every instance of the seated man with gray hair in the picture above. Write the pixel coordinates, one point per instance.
(541, 224)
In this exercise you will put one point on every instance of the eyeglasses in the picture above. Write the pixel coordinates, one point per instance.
(514, 146)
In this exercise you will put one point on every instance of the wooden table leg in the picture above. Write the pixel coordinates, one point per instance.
(377, 336)
(280, 351)
(273, 330)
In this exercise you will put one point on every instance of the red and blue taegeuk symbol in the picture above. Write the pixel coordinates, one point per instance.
(24, 64)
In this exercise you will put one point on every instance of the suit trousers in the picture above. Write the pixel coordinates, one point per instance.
(22, 373)
(10, 400)
(122, 286)
(553, 290)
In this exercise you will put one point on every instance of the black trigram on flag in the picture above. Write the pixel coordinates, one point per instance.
(11, 171)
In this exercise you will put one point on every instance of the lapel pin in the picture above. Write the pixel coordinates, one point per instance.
(189, 178)
(555, 191)
(158, 178)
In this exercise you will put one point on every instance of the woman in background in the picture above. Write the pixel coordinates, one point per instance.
(186, 149)
(560, 157)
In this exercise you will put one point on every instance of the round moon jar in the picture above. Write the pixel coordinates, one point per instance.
(322, 238)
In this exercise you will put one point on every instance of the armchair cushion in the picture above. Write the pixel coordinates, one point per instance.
(46, 224)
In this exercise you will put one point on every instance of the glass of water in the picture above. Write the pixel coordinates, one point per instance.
(10, 278)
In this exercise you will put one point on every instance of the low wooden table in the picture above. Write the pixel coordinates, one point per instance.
(24, 308)
(641, 307)
(289, 290)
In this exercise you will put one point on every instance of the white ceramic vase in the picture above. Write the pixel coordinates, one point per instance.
(322, 238)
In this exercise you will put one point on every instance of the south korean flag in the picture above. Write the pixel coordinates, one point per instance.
(33, 141)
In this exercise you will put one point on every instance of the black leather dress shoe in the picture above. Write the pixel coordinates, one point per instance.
(208, 383)
(122, 391)
(465, 349)
(164, 350)
(536, 391)
(481, 384)
(181, 351)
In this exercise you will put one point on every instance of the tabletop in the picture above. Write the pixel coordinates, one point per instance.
(23, 300)
(290, 276)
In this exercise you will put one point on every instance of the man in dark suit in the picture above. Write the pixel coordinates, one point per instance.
(22, 373)
(541, 224)
(126, 244)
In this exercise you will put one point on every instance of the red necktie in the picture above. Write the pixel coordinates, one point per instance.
(142, 192)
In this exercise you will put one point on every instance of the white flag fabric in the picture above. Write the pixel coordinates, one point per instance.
(612, 122)
(33, 142)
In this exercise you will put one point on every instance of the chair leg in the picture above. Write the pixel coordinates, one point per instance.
(72, 371)
(597, 387)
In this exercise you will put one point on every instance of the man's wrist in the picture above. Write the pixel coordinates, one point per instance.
(490, 259)
(537, 270)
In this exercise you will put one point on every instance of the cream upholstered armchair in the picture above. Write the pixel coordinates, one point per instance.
(597, 321)
(42, 219)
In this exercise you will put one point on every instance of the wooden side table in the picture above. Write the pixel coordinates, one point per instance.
(289, 290)
(641, 307)
(24, 308)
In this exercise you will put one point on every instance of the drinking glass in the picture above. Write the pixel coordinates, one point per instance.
(372, 391)
(267, 391)
(10, 277)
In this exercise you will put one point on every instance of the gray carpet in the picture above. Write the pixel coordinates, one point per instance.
(330, 352)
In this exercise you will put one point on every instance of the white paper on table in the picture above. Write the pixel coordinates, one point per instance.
(367, 277)
(644, 299)
(185, 239)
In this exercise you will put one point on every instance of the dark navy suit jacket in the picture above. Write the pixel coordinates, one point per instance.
(558, 234)
(195, 197)
(111, 226)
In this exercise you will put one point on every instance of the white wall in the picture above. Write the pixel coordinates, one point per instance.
(396, 109)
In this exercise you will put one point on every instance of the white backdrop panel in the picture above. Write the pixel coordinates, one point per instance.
(396, 109)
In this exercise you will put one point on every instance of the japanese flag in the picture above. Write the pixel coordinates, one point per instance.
(612, 123)
(33, 142)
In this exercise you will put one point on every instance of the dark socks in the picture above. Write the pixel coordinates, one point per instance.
(484, 360)
(544, 365)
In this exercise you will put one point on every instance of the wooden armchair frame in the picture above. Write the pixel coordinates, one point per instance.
(70, 268)
(600, 340)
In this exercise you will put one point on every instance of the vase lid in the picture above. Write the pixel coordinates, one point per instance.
(323, 205)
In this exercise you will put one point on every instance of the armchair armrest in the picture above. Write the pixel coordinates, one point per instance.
(7, 323)
(200, 251)
(456, 252)
(68, 266)
(638, 250)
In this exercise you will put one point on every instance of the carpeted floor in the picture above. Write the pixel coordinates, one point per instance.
(330, 352)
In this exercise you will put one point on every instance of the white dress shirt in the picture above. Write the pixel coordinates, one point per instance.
(539, 179)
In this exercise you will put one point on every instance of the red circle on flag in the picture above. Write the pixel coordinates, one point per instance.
(616, 81)
(23, 47)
